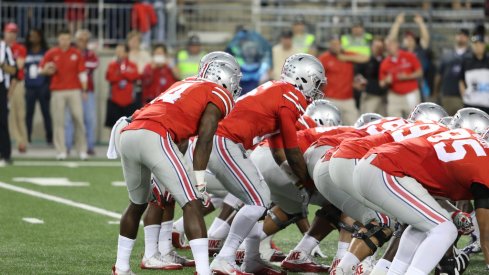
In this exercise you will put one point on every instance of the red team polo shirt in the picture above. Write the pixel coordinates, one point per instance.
(404, 62)
(178, 110)
(342, 73)
(69, 64)
(257, 115)
(91, 63)
(121, 75)
(446, 164)
(19, 51)
(156, 80)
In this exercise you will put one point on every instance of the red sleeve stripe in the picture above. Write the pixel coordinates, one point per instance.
(299, 107)
(224, 101)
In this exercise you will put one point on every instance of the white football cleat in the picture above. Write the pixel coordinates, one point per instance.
(160, 263)
(260, 267)
(226, 266)
(179, 240)
(300, 261)
(366, 266)
(116, 271)
(61, 156)
(173, 257)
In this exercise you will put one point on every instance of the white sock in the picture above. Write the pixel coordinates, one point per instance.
(215, 225)
(244, 221)
(178, 225)
(414, 271)
(398, 268)
(349, 261)
(221, 232)
(381, 268)
(433, 247)
(164, 241)
(267, 240)
(200, 251)
(252, 242)
(151, 233)
(342, 249)
(410, 240)
(124, 249)
(307, 244)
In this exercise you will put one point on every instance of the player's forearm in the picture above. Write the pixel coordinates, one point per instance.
(297, 163)
(207, 129)
(278, 155)
(482, 215)
(202, 152)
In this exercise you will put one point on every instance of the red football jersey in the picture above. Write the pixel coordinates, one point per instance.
(446, 164)
(178, 110)
(307, 137)
(256, 115)
(356, 148)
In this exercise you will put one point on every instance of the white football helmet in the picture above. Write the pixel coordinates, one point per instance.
(306, 73)
(222, 74)
(446, 120)
(485, 136)
(471, 118)
(220, 56)
(324, 113)
(427, 111)
(366, 119)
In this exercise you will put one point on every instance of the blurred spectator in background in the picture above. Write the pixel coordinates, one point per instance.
(338, 65)
(7, 71)
(160, 29)
(357, 41)
(36, 84)
(159, 75)
(143, 19)
(120, 11)
(447, 78)
(474, 75)
(76, 13)
(419, 47)
(17, 113)
(139, 57)
(373, 97)
(188, 60)
(82, 38)
(302, 40)
(399, 72)
(281, 51)
(66, 66)
(121, 75)
(28, 16)
(254, 55)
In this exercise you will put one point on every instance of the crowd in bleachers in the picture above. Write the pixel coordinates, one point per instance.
(366, 73)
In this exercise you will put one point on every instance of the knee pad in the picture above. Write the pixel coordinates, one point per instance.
(291, 218)
(373, 231)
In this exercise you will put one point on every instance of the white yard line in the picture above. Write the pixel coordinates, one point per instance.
(33, 220)
(60, 200)
(69, 164)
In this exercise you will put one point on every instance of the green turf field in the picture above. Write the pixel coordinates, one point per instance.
(77, 241)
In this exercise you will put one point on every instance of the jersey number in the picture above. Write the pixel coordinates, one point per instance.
(375, 127)
(460, 139)
(415, 131)
(172, 95)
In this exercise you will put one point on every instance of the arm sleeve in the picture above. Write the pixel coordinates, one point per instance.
(276, 142)
(287, 121)
(222, 99)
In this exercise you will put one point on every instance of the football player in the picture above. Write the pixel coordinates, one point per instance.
(402, 178)
(149, 145)
(271, 109)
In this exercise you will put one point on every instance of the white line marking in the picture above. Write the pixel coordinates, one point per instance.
(69, 164)
(119, 183)
(33, 220)
(51, 181)
(113, 222)
(64, 201)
